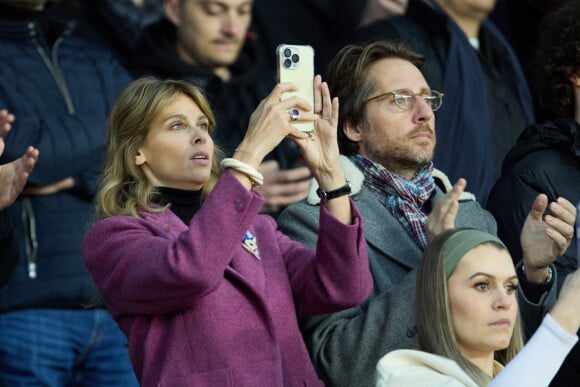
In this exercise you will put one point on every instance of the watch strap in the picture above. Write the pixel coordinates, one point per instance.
(336, 193)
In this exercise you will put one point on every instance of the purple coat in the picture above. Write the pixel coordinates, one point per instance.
(200, 310)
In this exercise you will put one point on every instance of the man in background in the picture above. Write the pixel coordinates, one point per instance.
(387, 133)
(487, 100)
(59, 88)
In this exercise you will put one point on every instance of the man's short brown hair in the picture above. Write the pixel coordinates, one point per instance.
(347, 80)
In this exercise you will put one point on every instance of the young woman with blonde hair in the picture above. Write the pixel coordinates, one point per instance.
(469, 325)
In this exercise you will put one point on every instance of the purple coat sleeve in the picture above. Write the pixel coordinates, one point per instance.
(339, 276)
(156, 264)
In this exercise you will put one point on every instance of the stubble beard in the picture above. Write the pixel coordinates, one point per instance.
(404, 156)
(400, 158)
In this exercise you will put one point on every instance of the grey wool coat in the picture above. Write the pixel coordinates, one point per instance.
(346, 346)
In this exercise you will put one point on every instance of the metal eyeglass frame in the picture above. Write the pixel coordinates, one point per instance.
(434, 97)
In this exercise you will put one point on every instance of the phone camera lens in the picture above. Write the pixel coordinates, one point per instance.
(287, 53)
(287, 63)
(295, 58)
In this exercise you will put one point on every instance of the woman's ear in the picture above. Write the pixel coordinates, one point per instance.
(139, 158)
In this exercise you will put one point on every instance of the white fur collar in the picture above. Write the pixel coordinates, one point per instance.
(356, 178)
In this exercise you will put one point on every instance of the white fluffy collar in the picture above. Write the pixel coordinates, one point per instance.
(356, 178)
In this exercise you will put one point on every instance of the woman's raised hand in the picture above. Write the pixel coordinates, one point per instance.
(271, 123)
(320, 148)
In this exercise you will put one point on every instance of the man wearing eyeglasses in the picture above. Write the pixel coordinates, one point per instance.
(387, 138)
(487, 97)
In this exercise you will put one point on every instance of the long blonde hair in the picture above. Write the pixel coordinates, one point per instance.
(124, 187)
(434, 322)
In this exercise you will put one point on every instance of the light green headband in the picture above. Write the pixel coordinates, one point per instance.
(460, 243)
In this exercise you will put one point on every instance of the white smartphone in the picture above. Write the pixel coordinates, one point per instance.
(296, 65)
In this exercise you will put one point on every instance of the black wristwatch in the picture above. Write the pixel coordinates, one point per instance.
(336, 193)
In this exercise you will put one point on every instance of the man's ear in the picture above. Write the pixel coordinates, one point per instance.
(139, 158)
(352, 132)
(172, 11)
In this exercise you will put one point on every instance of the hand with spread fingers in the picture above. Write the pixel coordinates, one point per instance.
(320, 149)
(545, 237)
(442, 217)
(13, 175)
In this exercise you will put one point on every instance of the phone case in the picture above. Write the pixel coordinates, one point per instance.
(296, 65)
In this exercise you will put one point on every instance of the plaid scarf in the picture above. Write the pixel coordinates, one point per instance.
(401, 197)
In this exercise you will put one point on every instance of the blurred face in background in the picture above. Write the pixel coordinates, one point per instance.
(210, 33)
(467, 9)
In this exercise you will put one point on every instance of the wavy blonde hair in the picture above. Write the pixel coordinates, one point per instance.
(124, 187)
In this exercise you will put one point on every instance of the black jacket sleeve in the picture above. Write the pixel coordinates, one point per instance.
(8, 256)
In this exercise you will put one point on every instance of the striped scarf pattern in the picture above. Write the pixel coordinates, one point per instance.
(403, 198)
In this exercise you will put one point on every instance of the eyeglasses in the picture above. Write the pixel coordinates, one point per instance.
(405, 98)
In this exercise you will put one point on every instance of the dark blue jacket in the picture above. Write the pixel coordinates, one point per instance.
(60, 89)
(7, 255)
(546, 160)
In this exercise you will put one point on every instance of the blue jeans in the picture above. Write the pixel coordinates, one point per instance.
(54, 347)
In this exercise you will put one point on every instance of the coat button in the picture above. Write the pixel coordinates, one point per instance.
(239, 206)
(410, 333)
